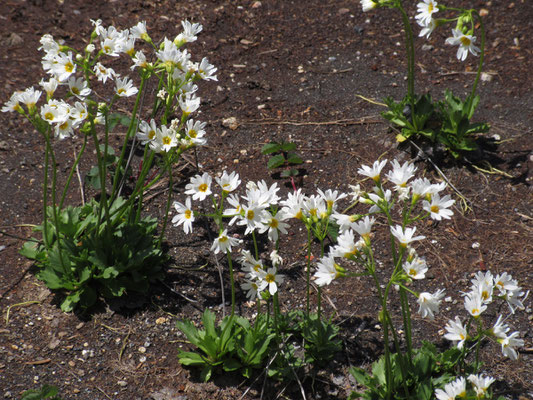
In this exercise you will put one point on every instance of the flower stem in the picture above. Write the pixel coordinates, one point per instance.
(232, 282)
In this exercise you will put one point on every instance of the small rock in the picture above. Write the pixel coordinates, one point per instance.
(4, 145)
(256, 4)
(14, 40)
(142, 349)
(475, 245)
(122, 383)
(427, 47)
(230, 123)
(161, 320)
(80, 325)
(486, 77)
(54, 343)
(483, 12)
(343, 11)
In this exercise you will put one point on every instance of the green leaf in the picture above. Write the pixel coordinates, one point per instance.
(191, 358)
(114, 119)
(270, 148)
(231, 364)
(287, 146)
(30, 250)
(289, 172)
(276, 161)
(206, 373)
(294, 159)
(208, 319)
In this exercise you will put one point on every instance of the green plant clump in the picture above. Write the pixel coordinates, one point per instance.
(86, 265)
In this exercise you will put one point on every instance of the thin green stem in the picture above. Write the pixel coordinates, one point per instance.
(232, 282)
(410, 49)
(308, 274)
(169, 199)
(76, 162)
(480, 67)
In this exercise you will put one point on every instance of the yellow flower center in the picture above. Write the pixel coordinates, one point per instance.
(64, 125)
(69, 67)
(412, 272)
(223, 239)
(166, 140)
(475, 311)
(192, 133)
(485, 295)
(188, 214)
(202, 187)
(75, 90)
(430, 7)
(270, 278)
(273, 223)
(465, 41)
(49, 116)
(250, 214)
(151, 135)
(121, 90)
(435, 209)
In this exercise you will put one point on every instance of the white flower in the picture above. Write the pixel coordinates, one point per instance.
(49, 86)
(426, 9)
(405, 236)
(230, 182)
(465, 42)
(124, 87)
(364, 227)
(368, 5)
(499, 330)
(481, 384)
(200, 186)
(189, 33)
(78, 87)
(189, 103)
(347, 247)
(416, 269)
(374, 171)
(252, 267)
(294, 204)
(30, 97)
(484, 285)
(275, 258)
(55, 112)
(456, 332)
(253, 217)
(206, 71)
(147, 131)
(185, 215)
(274, 224)
(429, 303)
(452, 390)
(438, 207)
(139, 31)
(474, 304)
(223, 243)
(195, 131)
(331, 198)
(254, 288)
(273, 279)
(400, 174)
(13, 104)
(103, 73)
(62, 66)
(508, 345)
(165, 140)
(139, 60)
(326, 271)
(427, 29)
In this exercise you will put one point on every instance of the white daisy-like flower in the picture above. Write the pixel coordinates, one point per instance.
(416, 269)
(427, 29)
(199, 187)
(185, 215)
(474, 304)
(481, 384)
(147, 131)
(438, 208)
(103, 73)
(229, 182)
(429, 303)
(456, 332)
(374, 171)
(124, 87)
(452, 390)
(465, 43)
(326, 271)
(405, 236)
(254, 288)
(273, 279)
(224, 243)
(426, 9)
(78, 87)
(508, 345)
(368, 5)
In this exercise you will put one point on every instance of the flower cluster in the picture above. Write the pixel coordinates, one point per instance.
(355, 231)
(462, 36)
(485, 290)
(73, 70)
(458, 388)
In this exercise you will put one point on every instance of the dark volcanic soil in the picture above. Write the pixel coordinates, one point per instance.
(286, 70)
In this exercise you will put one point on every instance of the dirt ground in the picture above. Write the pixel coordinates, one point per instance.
(292, 70)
